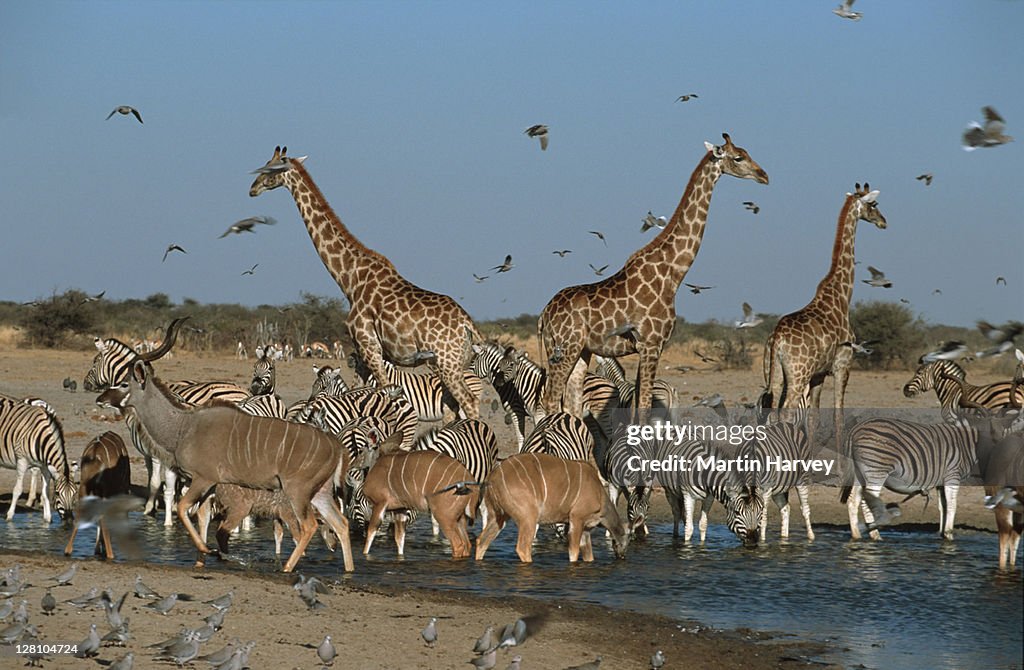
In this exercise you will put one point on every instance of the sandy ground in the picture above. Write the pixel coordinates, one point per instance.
(379, 629)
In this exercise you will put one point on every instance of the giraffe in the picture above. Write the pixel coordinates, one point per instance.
(816, 341)
(633, 311)
(390, 318)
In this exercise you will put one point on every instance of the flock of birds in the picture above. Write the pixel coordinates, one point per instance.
(185, 646)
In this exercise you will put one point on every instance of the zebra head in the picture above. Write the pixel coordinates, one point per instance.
(744, 508)
(929, 373)
(263, 375)
(638, 506)
(114, 359)
(65, 495)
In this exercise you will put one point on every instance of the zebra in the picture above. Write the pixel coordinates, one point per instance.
(907, 457)
(517, 380)
(332, 413)
(663, 396)
(266, 404)
(613, 465)
(264, 375)
(948, 380)
(563, 435)
(781, 441)
(34, 474)
(328, 380)
(32, 436)
(109, 372)
(425, 392)
(470, 442)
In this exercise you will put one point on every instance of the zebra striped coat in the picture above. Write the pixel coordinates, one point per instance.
(563, 435)
(425, 392)
(907, 457)
(934, 376)
(31, 436)
(264, 374)
(333, 413)
(517, 380)
(782, 442)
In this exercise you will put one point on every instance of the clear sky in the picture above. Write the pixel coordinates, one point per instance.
(412, 115)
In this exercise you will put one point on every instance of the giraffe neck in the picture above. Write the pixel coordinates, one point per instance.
(837, 285)
(342, 254)
(679, 242)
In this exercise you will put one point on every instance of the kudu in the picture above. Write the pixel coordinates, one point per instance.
(535, 488)
(105, 473)
(421, 481)
(219, 443)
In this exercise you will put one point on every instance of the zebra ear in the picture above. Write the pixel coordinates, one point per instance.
(477, 349)
(101, 345)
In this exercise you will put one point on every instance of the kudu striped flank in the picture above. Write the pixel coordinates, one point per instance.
(220, 444)
(105, 472)
(536, 488)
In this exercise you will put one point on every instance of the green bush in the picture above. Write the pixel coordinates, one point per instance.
(900, 335)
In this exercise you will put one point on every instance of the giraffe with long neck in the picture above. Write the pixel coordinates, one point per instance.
(390, 317)
(633, 311)
(808, 345)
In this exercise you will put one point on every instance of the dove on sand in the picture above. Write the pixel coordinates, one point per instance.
(429, 633)
(326, 651)
(90, 646)
(485, 661)
(164, 605)
(49, 603)
(485, 642)
(126, 110)
(539, 131)
(657, 660)
(143, 591)
(126, 662)
(222, 602)
(65, 577)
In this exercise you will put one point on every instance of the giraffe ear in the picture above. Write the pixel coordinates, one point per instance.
(869, 197)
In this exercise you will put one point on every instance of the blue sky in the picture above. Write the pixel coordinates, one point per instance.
(412, 115)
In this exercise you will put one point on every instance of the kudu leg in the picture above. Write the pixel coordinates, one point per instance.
(455, 531)
(71, 541)
(307, 525)
(575, 536)
(194, 493)
(586, 547)
(376, 518)
(108, 548)
(325, 503)
(489, 532)
(524, 543)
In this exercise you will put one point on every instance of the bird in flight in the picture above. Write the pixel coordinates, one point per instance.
(844, 11)
(506, 266)
(562, 252)
(926, 178)
(246, 225)
(600, 236)
(477, 278)
(251, 270)
(949, 351)
(989, 135)
(704, 357)
(937, 291)
(598, 271)
(126, 110)
(1000, 280)
(749, 318)
(1003, 336)
(170, 248)
(93, 298)
(695, 289)
(878, 279)
(651, 221)
(539, 131)
(686, 97)
(752, 206)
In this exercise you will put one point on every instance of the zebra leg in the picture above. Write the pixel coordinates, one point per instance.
(22, 467)
(688, 502)
(869, 518)
(33, 483)
(705, 507)
(45, 493)
(153, 474)
(803, 492)
(950, 492)
(764, 524)
(676, 504)
(781, 501)
(170, 485)
(853, 510)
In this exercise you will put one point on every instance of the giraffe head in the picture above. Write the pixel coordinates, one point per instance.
(866, 205)
(735, 161)
(271, 175)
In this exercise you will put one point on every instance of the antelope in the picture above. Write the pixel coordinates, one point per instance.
(219, 443)
(105, 472)
(534, 488)
(422, 480)
(233, 503)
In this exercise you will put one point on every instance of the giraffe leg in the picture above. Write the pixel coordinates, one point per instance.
(454, 380)
(573, 400)
(558, 374)
(841, 372)
(646, 371)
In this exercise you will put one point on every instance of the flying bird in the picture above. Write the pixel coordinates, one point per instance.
(170, 248)
(989, 135)
(904, 301)
(695, 289)
(1000, 280)
(506, 266)
(599, 236)
(562, 252)
(843, 11)
(752, 206)
(878, 279)
(862, 347)
(651, 221)
(126, 110)
(92, 298)
(598, 271)
(749, 318)
(1003, 336)
(251, 270)
(926, 178)
(686, 97)
(704, 357)
(539, 131)
(949, 351)
(937, 291)
(478, 279)
(246, 225)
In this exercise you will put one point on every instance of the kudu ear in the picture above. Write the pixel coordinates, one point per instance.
(139, 373)
(392, 444)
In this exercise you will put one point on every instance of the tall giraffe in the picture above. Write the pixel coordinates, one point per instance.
(633, 311)
(816, 341)
(390, 317)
